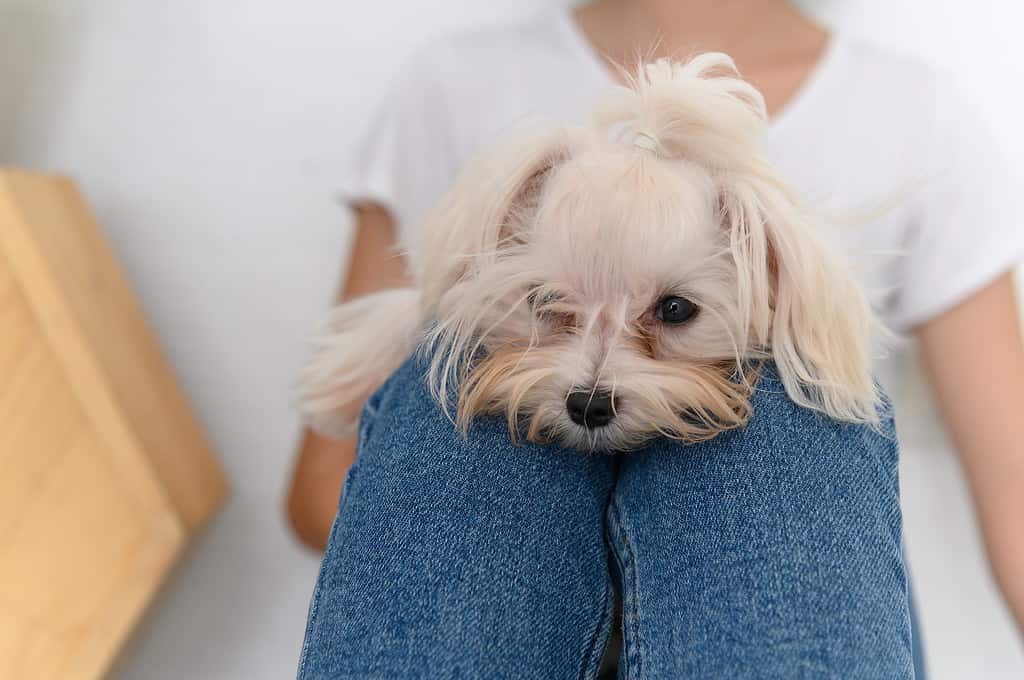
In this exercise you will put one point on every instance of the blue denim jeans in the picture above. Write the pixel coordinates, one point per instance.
(771, 551)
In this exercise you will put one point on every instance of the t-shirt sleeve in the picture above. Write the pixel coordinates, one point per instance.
(399, 159)
(966, 230)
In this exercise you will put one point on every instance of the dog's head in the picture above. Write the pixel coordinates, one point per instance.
(606, 283)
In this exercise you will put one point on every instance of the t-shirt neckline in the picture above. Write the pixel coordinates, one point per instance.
(809, 90)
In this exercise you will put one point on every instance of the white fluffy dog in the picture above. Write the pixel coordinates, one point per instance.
(603, 284)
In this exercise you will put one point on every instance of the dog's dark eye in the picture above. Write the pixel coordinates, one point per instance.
(675, 310)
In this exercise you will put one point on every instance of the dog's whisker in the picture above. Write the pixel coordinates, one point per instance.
(606, 355)
(614, 387)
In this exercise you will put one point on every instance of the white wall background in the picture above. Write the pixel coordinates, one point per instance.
(204, 133)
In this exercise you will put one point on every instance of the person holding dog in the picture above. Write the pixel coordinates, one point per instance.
(848, 122)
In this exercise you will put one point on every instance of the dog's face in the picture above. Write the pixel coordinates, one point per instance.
(613, 313)
(600, 293)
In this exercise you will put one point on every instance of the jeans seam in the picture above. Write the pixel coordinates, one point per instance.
(590, 665)
(314, 609)
(621, 569)
(314, 606)
(318, 589)
(630, 619)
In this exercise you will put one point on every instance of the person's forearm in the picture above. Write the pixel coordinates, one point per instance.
(975, 359)
(316, 486)
(1000, 502)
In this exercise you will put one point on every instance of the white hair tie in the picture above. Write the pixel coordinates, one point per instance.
(646, 141)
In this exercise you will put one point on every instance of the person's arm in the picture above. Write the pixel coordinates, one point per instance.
(322, 463)
(974, 357)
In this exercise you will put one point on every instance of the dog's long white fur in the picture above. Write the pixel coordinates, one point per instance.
(684, 137)
(359, 344)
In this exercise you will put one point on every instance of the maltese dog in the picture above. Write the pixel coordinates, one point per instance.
(603, 284)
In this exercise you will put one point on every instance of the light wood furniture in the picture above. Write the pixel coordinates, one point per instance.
(104, 471)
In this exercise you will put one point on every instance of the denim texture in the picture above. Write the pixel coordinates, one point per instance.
(771, 551)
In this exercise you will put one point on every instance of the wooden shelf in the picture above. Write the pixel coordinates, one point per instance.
(104, 470)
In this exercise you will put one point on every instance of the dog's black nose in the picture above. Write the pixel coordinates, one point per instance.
(590, 409)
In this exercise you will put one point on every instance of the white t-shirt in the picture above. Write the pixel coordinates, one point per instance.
(875, 137)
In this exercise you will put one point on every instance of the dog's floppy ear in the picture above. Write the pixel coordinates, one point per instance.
(485, 216)
(802, 300)
(487, 209)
